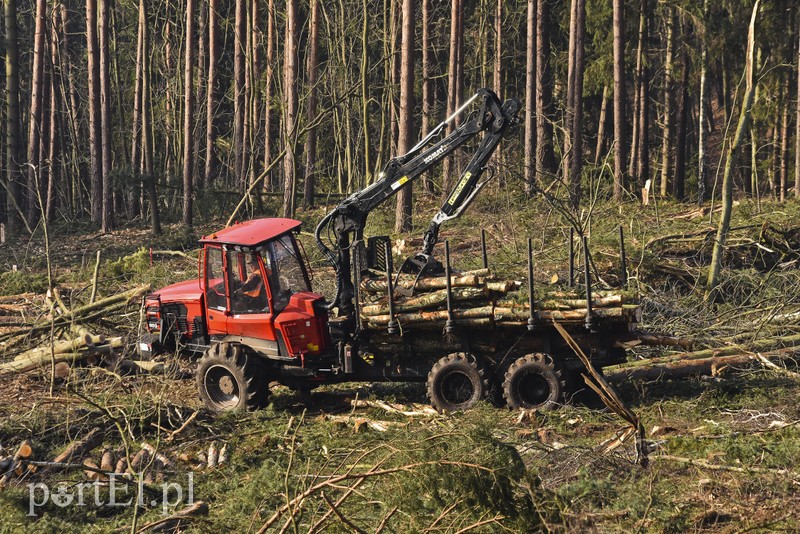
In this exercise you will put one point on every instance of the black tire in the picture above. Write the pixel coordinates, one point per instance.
(456, 383)
(230, 377)
(533, 382)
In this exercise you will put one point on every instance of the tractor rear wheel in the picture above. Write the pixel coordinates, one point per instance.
(230, 377)
(456, 383)
(533, 382)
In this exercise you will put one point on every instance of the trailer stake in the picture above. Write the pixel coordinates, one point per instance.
(483, 249)
(448, 326)
(392, 326)
(623, 264)
(571, 257)
(532, 318)
(590, 322)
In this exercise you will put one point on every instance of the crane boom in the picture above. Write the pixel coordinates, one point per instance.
(348, 220)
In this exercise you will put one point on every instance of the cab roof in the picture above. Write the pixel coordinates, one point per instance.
(251, 233)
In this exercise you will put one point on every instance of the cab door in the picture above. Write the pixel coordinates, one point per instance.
(216, 294)
(250, 316)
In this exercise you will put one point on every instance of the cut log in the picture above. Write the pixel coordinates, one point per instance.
(731, 350)
(427, 300)
(73, 345)
(650, 338)
(15, 467)
(424, 316)
(693, 367)
(28, 364)
(78, 449)
(423, 284)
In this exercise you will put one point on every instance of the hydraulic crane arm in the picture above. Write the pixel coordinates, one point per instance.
(347, 221)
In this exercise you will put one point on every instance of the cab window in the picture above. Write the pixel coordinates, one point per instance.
(215, 283)
(288, 276)
(246, 283)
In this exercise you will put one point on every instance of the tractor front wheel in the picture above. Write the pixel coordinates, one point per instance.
(230, 377)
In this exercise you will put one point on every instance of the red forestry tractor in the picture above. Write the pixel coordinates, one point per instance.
(254, 318)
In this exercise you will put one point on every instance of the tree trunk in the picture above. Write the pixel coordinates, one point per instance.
(311, 109)
(95, 147)
(784, 150)
(643, 143)
(576, 159)
(405, 139)
(14, 155)
(797, 117)
(569, 107)
(290, 72)
(147, 132)
(136, 119)
(545, 155)
(727, 180)
(452, 88)
(703, 105)
(365, 91)
(78, 175)
(497, 73)
(53, 147)
(188, 113)
(620, 95)
(240, 37)
(601, 126)
(212, 94)
(35, 116)
(666, 132)
(530, 100)
(268, 93)
(107, 222)
(678, 184)
(427, 82)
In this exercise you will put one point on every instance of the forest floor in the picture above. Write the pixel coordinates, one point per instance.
(725, 449)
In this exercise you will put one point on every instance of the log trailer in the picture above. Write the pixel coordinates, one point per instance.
(254, 318)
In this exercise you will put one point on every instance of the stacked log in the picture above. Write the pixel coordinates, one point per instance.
(480, 300)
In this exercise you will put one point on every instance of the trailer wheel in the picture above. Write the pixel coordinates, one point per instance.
(533, 382)
(230, 377)
(456, 383)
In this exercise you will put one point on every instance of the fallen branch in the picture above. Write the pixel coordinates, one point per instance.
(193, 510)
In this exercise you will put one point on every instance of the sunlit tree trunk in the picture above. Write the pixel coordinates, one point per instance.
(107, 222)
(620, 96)
(666, 132)
(452, 87)
(312, 62)
(12, 120)
(545, 156)
(702, 120)
(188, 113)
(240, 38)
(427, 82)
(147, 133)
(35, 115)
(406, 123)
(95, 147)
(212, 93)
(530, 99)
(269, 75)
(290, 73)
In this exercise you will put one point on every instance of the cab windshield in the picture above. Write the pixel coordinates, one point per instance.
(285, 271)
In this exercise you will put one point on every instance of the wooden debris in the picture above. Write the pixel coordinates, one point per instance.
(78, 449)
(172, 522)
